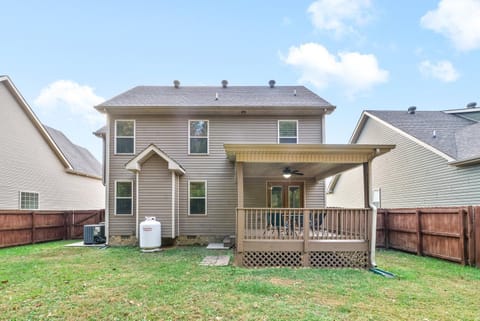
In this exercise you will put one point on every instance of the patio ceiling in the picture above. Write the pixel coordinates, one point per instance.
(314, 160)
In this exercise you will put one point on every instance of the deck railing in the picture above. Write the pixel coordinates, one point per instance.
(302, 230)
(296, 223)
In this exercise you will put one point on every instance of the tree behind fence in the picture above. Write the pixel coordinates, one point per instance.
(451, 233)
(29, 227)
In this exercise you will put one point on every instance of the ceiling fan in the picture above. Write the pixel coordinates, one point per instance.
(287, 172)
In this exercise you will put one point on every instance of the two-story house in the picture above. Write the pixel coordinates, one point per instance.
(40, 168)
(196, 157)
(436, 161)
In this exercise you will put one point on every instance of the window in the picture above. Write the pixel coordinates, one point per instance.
(28, 201)
(124, 137)
(197, 200)
(287, 131)
(198, 137)
(123, 197)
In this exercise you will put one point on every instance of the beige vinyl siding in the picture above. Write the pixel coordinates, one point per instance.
(29, 164)
(315, 194)
(349, 190)
(412, 176)
(155, 193)
(170, 134)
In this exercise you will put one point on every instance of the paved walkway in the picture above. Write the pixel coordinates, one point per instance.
(221, 260)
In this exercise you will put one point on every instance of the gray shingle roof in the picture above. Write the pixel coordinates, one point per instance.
(204, 96)
(79, 157)
(454, 135)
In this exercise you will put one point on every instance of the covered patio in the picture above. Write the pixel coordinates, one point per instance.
(298, 235)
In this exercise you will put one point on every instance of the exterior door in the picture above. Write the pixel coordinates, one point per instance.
(285, 194)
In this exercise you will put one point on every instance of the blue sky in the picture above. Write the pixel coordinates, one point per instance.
(66, 56)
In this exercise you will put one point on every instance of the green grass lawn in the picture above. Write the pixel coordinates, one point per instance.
(51, 282)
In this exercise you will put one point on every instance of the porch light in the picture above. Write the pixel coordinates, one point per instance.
(287, 175)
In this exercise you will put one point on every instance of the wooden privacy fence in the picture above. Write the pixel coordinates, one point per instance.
(29, 227)
(451, 233)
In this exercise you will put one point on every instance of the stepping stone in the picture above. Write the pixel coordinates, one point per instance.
(217, 246)
(221, 260)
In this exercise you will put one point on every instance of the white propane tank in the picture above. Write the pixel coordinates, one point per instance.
(150, 234)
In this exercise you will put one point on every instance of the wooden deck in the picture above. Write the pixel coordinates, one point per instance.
(316, 237)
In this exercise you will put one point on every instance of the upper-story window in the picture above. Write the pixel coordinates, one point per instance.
(124, 136)
(288, 131)
(198, 137)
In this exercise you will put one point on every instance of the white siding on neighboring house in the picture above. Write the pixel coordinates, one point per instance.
(29, 164)
(409, 176)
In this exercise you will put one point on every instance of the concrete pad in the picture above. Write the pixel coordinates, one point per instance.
(81, 244)
(221, 260)
(216, 246)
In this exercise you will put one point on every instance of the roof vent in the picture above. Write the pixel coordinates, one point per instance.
(271, 83)
(216, 96)
(294, 92)
(224, 83)
(411, 110)
(176, 83)
(472, 105)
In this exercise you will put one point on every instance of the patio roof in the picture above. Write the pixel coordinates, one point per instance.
(314, 160)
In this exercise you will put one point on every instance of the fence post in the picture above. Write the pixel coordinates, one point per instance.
(34, 236)
(418, 214)
(476, 236)
(462, 236)
(470, 237)
(386, 230)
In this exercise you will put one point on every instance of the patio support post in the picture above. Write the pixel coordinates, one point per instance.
(306, 237)
(239, 170)
(240, 214)
(366, 184)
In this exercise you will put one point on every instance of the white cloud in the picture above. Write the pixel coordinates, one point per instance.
(457, 20)
(354, 71)
(78, 99)
(339, 16)
(442, 70)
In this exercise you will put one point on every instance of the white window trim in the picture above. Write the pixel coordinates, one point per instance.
(206, 197)
(115, 198)
(134, 136)
(20, 200)
(278, 130)
(208, 137)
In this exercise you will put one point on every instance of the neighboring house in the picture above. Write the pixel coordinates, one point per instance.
(40, 168)
(436, 161)
(190, 156)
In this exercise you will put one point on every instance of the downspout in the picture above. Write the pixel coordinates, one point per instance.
(137, 175)
(373, 238)
(107, 181)
(173, 204)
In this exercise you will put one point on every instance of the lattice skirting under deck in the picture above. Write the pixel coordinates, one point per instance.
(327, 259)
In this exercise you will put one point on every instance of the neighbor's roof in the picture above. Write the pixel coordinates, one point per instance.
(79, 157)
(453, 134)
(205, 96)
(456, 138)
